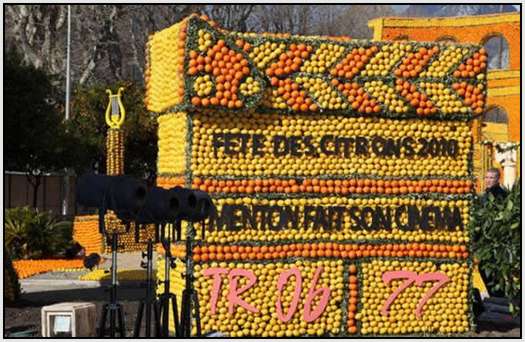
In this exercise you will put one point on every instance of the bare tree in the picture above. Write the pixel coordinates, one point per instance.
(39, 33)
(292, 19)
(107, 41)
(353, 21)
(230, 17)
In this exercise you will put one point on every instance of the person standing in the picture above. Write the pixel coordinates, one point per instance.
(492, 185)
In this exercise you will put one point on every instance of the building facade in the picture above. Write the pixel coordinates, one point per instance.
(499, 126)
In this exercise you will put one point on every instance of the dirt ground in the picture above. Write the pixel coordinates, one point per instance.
(27, 311)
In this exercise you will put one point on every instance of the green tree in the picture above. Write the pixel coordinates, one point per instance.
(496, 225)
(89, 128)
(34, 133)
(30, 234)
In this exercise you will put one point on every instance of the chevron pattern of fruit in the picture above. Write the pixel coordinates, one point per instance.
(216, 69)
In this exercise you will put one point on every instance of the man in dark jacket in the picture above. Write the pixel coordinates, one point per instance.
(492, 185)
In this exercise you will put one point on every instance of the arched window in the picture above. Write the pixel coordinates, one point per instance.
(446, 39)
(495, 115)
(401, 37)
(497, 51)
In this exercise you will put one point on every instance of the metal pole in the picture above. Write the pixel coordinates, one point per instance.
(65, 200)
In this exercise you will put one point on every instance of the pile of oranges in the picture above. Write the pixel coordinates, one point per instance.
(353, 62)
(289, 61)
(227, 67)
(473, 66)
(472, 95)
(207, 253)
(353, 297)
(288, 94)
(415, 62)
(283, 57)
(29, 268)
(417, 100)
(363, 85)
(357, 97)
(170, 182)
(86, 233)
(330, 186)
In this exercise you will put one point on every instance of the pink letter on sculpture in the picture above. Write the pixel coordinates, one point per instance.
(412, 277)
(234, 292)
(308, 314)
(283, 278)
(388, 277)
(441, 278)
(216, 287)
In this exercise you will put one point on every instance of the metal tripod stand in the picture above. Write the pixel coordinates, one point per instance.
(167, 296)
(190, 298)
(150, 301)
(113, 308)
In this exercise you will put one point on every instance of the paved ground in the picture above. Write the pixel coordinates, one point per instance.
(28, 311)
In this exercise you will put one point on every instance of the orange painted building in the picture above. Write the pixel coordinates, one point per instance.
(500, 34)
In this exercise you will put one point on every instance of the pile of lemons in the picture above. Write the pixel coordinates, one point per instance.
(164, 75)
(347, 232)
(441, 66)
(263, 54)
(388, 56)
(264, 295)
(115, 151)
(205, 40)
(444, 98)
(386, 95)
(172, 143)
(322, 92)
(323, 58)
(208, 161)
(446, 311)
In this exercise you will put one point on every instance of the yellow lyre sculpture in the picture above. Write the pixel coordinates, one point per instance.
(115, 112)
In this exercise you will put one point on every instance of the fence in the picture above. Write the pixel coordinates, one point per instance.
(18, 192)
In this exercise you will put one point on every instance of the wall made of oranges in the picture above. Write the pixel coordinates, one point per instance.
(341, 172)
(86, 233)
